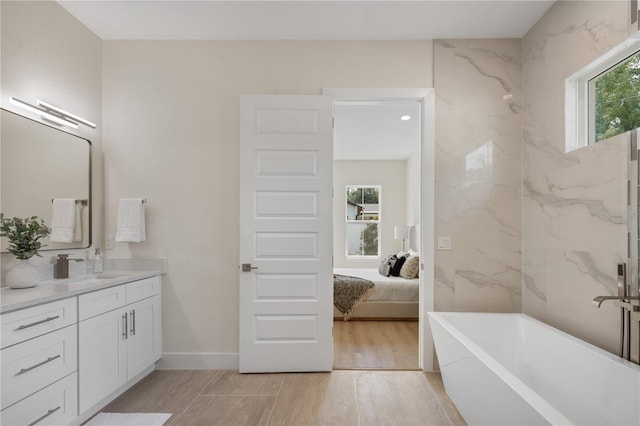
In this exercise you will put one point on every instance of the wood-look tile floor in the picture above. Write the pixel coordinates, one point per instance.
(385, 345)
(350, 398)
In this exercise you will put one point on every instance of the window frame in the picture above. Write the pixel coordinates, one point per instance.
(580, 100)
(347, 222)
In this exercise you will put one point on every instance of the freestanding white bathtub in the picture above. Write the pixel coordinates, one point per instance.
(510, 369)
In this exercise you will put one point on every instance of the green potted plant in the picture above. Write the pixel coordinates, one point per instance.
(23, 235)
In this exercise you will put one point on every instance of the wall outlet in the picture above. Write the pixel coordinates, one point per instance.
(444, 243)
(108, 242)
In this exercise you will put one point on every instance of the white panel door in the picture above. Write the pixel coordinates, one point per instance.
(286, 177)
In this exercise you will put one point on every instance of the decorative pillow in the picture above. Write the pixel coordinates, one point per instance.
(385, 267)
(396, 265)
(410, 268)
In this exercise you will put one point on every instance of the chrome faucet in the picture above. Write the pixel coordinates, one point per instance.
(626, 308)
(622, 288)
(597, 301)
(61, 266)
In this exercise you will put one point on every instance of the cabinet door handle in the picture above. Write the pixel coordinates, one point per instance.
(39, 419)
(46, 361)
(133, 322)
(124, 326)
(22, 327)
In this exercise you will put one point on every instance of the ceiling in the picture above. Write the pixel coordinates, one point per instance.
(374, 130)
(307, 19)
(375, 126)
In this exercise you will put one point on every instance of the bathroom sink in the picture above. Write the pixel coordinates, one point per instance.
(108, 276)
(92, 277)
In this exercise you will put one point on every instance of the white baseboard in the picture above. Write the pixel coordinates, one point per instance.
(198, 361)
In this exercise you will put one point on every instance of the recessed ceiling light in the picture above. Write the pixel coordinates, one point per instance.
(405, 117)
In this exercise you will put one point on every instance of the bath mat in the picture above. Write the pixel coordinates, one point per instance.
(129, 419)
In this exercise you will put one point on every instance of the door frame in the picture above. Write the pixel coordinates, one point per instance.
(426, 97)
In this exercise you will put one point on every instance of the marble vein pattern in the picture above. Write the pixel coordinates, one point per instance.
(574, 227)
(534, 283)
(444, 279)
(478, 174)
(488, 279)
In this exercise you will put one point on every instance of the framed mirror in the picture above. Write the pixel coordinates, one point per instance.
(40, 163)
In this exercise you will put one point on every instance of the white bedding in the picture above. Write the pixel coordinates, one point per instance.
(387, 288)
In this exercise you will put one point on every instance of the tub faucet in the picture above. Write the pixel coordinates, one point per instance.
(622, 288)
(61, 266)
(598, 300)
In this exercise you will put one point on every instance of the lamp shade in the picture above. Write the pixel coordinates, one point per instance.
(400, 232)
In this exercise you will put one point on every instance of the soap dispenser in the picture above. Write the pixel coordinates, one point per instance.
(98, 262)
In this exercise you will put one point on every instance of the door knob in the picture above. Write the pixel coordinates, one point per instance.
(246, 267)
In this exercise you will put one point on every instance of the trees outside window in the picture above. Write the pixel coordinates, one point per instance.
(614, 99)
(363, 206)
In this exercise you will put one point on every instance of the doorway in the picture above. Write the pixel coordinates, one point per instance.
(386, 343)
(288, 309)
(376, 180)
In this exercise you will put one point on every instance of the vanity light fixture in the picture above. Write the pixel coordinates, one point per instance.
(65, 114)
(42, 113)
(405, 118)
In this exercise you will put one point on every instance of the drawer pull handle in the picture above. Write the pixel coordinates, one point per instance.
(133, 323)
(22, 327)
(50, 412)
(124, 327)
(48, 360)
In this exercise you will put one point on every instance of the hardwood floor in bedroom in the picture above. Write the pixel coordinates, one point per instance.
(375, 345)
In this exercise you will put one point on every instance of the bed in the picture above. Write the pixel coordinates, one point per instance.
(393, 298)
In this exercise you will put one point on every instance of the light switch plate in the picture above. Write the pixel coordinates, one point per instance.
(444, 243)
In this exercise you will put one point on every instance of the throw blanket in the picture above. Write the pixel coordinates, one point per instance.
(349, 292)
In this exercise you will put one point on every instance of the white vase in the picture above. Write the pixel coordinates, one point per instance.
(23, 275)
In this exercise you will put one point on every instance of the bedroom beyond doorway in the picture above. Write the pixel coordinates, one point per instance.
(377, 192)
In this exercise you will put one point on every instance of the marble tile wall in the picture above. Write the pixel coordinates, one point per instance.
(478, 175)
(574, 204)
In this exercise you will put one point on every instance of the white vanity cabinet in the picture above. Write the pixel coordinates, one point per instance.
(120, 337)
(39, 364)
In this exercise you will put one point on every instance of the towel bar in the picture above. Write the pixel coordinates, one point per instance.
(144, 201)
(82, 202)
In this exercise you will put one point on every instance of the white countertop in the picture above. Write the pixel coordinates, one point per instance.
(52, 290)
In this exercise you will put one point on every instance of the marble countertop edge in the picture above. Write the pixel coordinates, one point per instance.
(57, 289)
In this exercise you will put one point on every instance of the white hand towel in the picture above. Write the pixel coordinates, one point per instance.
(63, 220)
(131, 225)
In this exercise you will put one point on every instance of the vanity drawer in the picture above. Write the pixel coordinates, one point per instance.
(99, 302)
(143, 289)
(28, 323)
(56, 404)
(34, 364)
